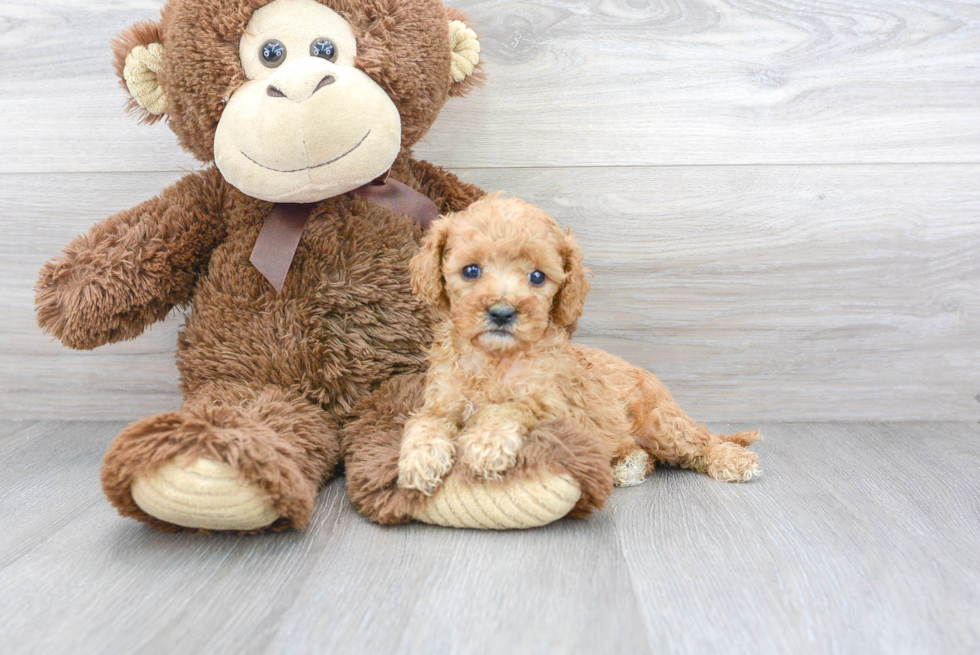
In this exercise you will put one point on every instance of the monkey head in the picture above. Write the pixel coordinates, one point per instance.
(298, 100)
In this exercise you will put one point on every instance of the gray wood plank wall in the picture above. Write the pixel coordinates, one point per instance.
(780, 200)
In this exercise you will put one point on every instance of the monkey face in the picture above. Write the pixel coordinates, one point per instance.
(297, 100)
(306, 125)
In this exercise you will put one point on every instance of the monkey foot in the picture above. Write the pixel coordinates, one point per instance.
(561, 471)
(205, 495)
(529, 504)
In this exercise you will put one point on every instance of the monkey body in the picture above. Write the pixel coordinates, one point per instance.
(284, 101)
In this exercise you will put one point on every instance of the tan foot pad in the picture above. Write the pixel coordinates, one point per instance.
(204, 494)
(517, 506)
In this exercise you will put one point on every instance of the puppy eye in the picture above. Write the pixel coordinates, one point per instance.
(324, 48)
(472, 272)
(537, 278)
(273, 53)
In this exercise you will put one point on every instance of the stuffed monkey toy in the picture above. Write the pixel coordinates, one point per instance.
(290, 248)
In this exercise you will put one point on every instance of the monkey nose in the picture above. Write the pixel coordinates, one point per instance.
(502, 315)
(300, 80)
(276, 92)
(326, 81)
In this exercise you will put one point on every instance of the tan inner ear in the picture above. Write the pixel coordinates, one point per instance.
(466, 50)
(140, 73)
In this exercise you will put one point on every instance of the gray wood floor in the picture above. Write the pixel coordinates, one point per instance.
(859, 538)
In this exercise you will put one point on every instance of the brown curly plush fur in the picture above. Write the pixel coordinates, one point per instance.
(268, 378)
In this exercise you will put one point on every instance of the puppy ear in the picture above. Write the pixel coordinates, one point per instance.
(465, 70)
(570, 299)
(426, 267)
(138, 60)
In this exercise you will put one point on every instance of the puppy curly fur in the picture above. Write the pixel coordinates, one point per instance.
(502, 361)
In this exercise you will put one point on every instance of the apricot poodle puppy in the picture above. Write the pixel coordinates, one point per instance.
(510, 286)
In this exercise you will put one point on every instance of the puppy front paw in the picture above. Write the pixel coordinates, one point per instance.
(491, 450)
(426, 457)
(424, 468)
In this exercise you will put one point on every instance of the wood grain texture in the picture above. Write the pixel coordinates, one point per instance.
(603, 82)
(777, 293)
(858, 538)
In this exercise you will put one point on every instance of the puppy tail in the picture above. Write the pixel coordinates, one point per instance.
(742, 438)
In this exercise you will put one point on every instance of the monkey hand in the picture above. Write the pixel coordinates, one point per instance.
(86, 301)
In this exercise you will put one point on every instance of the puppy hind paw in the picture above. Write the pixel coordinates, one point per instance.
(730, 462)
(631, 470)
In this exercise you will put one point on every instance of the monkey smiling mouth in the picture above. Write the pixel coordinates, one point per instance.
(309, 168)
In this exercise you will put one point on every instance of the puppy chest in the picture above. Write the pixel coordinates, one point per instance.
(481, 383)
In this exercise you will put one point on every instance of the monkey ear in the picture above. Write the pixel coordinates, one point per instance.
(426, 267)
(465, 70)
(570, 299)
(138, 59)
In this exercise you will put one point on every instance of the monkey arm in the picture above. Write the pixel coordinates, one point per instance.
(131, 269)
(445, 189)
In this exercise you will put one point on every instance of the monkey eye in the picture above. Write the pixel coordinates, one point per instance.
(472, 272)
(537, 278)
(273, 53)
(324, 48)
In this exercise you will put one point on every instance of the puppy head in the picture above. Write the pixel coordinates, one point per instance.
(503, 270)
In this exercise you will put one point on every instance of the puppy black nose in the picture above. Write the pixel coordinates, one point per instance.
(502, 315)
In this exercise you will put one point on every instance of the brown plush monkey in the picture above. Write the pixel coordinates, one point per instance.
(294, 267)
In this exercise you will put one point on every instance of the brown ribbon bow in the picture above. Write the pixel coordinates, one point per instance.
(283, 228)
